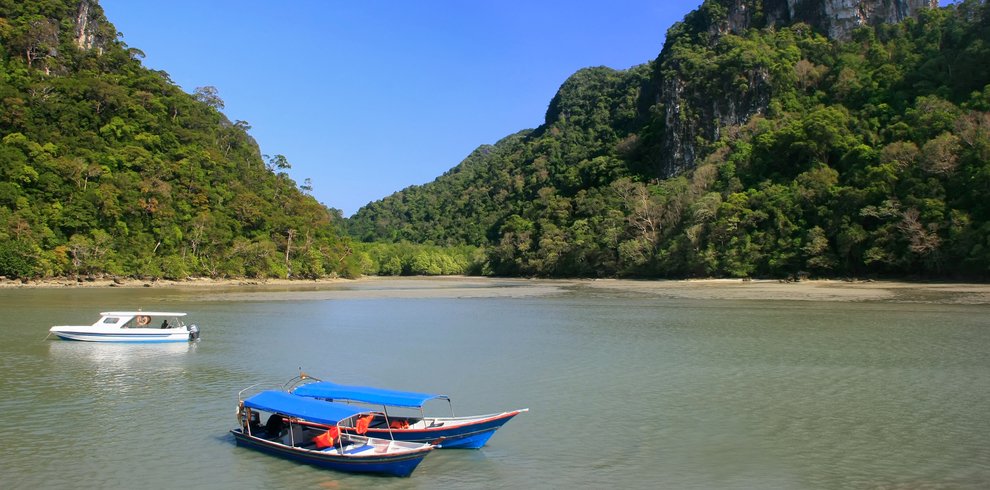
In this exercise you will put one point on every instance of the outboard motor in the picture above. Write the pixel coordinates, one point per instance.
(193, 332)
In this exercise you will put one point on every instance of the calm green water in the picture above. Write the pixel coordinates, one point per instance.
(625, 391)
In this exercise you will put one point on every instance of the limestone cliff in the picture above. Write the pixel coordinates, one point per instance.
(87, 28)
(696, 110)
(836, 18)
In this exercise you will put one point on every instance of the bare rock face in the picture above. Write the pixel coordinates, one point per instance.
(87, 20)
(692, 114)
(835, 18)
(838, 18)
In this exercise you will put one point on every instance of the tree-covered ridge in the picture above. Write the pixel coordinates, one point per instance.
(870, 156)
(107, 167)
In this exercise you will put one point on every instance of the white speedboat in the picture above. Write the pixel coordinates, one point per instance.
(131, 326)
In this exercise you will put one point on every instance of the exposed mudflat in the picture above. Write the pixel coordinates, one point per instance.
(484, 287)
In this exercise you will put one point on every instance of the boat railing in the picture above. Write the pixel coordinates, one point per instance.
(301, 379)
(256, 388)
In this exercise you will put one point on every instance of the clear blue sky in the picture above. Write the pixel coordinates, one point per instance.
(367, 97)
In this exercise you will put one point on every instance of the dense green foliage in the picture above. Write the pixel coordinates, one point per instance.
(107, 167)
(869, 157)
(409, 259)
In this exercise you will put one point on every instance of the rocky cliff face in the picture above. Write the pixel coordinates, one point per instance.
(835, 18)
(694, 110)
(87, 23)
(838, 18)
(79, 22)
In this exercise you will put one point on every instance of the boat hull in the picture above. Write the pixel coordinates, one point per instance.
(396, 465)
(147, 335)
(462, 436)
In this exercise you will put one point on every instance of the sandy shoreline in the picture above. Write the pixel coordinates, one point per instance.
(159, 283)
(809, 290)
(478, 287)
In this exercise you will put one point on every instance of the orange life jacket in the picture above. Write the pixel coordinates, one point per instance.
(362, 424)
(399, 424)
(327, 438)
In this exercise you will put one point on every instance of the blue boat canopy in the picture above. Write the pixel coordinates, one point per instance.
(303, 408)
(365, 394)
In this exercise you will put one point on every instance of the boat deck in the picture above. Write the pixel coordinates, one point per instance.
(302, 436)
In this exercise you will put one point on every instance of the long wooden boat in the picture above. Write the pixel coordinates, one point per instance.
(470, 432)
(131, 326)
(311, 431)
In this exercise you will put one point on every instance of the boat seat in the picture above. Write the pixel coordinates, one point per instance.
(356, 449)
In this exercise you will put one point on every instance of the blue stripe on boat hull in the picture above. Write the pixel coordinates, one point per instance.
(390, 465)
(142, 338)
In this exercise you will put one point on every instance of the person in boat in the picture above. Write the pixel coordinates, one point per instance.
(142, 320)
(255, 422)
(274, 425)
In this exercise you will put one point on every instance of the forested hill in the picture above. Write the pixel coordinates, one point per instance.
(768, 139)
(107, 167)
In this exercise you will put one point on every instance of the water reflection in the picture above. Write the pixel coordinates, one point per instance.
(119, 355)
(119, 368)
